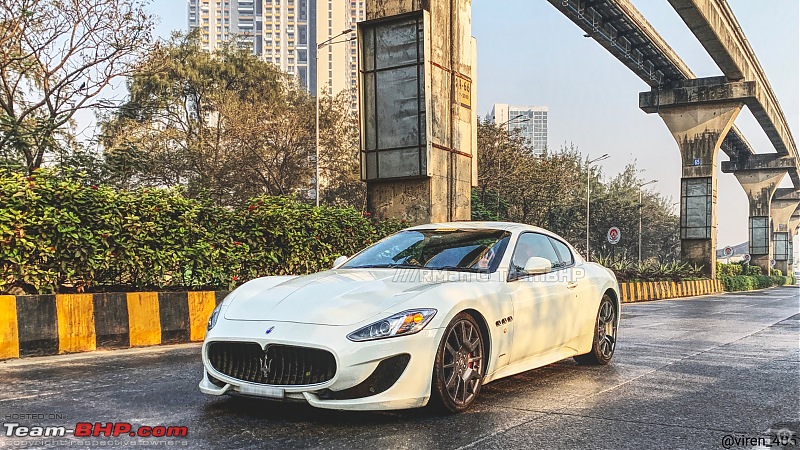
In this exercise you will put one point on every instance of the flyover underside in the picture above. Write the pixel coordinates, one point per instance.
(622, 30)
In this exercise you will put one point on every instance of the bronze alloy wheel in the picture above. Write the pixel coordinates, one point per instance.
(460, 364)
(605, 335)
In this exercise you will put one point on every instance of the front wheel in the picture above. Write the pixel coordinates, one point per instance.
(605, 335)
(460, 363)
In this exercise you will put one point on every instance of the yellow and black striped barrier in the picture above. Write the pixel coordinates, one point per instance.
(37, 325)
(657, 290)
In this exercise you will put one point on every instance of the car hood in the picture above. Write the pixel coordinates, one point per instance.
(333, 297)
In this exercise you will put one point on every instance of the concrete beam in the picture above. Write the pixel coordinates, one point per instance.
(697, 91)
(787, 194)
(759, 162)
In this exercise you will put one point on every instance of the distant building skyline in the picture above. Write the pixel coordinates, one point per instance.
(286, 33)
(530, 120)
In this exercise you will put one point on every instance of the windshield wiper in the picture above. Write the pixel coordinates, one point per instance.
(387, 266)
(460, 269)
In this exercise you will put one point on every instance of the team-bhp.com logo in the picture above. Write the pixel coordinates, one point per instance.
(97, 429)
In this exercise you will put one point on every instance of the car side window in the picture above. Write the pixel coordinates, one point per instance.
(533, 244)
(566, 254)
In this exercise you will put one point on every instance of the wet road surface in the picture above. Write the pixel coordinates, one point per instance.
(689, 373)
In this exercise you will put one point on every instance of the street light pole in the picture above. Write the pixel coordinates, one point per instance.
(588, 191)
(640, 216)
(316, 76)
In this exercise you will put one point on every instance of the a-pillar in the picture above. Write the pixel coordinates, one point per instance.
(784, 204)
(418, 109)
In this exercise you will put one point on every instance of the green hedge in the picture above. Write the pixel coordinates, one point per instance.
(734, 283)
(58, 234)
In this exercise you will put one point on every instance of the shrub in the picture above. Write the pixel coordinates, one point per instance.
(58, 234)
(753, 270)
(734, 283)
(728, 269)
(650, 270)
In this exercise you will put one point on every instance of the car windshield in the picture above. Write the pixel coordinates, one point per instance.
(438, 249)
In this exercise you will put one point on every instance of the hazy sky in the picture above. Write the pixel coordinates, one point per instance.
(530, 54)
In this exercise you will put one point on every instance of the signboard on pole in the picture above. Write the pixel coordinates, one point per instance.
(613, 235)
(746, 258)
(727, 251)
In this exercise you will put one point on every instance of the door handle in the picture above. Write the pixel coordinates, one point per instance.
(572, 285)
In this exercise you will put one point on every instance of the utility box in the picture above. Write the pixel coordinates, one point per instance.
(417, 99)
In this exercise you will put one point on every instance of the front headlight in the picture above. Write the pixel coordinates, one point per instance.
(400, 324)
(212, 320)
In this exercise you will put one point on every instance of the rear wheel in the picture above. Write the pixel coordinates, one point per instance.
(460, 363)
(605, 335)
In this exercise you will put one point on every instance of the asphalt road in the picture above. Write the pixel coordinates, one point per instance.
(687, 374)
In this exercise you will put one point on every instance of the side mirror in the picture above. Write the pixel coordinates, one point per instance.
(339, 261)
(536, 266)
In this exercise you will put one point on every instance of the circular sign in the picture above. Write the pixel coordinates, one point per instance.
(772, 263)
(727, 251)
(746, 258)
(613, 235)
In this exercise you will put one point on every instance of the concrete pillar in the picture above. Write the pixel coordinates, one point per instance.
(760, 185)
(418, 109)
(794, 222)
(781, 212)
(699, 131)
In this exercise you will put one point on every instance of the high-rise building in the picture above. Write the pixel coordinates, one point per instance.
(530, 120)
(285, 33)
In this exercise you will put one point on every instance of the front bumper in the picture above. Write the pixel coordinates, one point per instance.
(355, 362)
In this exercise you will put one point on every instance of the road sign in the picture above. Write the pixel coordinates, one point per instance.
(772, 263)
(727, 251)
(613, 235)
(746, 258)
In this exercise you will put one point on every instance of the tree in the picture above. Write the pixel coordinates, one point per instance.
(339, 154)
(56, 58)
(216, 123)
(550, 191)
(229, 126)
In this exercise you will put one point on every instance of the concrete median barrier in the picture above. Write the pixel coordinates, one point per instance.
(657, 290)
(38, 325)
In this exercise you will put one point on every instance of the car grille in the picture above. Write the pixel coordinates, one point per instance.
(282, 365)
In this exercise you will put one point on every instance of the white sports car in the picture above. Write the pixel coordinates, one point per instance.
(430, 313)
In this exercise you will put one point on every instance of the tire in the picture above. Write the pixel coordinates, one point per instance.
(605, 335)
(459, 366)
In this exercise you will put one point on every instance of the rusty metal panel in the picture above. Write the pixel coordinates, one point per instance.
(393, 97)
(696, 208)
(759, 235)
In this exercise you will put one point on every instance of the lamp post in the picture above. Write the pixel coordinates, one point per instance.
(588, 192)
(640, 216)
(316, 76)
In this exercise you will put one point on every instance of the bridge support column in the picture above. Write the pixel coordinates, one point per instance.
(699, 131)
(418, 101)
(794, 222)
(783, 206)
(699, 113)
(760, 185)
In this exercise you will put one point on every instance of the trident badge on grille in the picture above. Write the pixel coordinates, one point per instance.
(265, 363)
